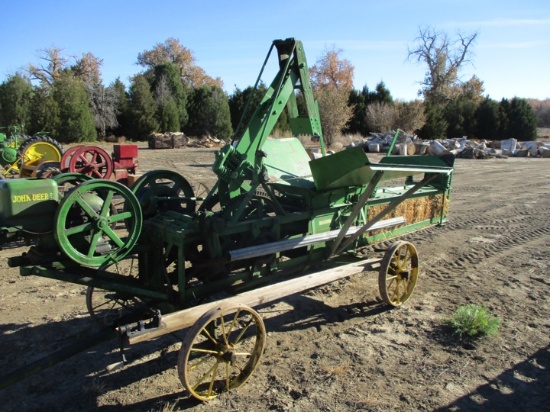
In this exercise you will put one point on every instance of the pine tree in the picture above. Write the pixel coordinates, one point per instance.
(521, 121)
(122, 108)
(436, 125)
(143, 109)
(488, 120)
(460, 117)
(167, 78)
(76, 119)
(15, 102)
(45, 111)
(209, 113)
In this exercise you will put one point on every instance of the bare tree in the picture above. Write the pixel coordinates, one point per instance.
(88, 68)
(334, 111)
(381, 117)
(410, 115)
(51, 71)
(103, 104)
(162, 90)
(444, 57)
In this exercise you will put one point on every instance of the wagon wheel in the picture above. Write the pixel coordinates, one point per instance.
(163, 190)
(107, 307)
(84, 223)
(66, 158)
(221, 350)
(201, 191)
(92, 161)
(398, 273)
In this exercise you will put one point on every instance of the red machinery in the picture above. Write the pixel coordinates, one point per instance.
(96, 162)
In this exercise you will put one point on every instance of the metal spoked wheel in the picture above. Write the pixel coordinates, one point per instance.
(201, 191)
(220, 352)
(107, 307)
(110, 308)
(66, 158)
(164, 190)
(92, 161)
(398, 273)
(85, 225)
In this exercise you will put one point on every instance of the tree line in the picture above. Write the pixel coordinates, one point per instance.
(67, 98)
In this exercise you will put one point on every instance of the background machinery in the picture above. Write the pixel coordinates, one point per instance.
(26, 156)
(275, 223)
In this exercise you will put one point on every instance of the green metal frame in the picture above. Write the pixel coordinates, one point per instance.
(277, 212)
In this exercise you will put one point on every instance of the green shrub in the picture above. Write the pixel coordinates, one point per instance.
(474, 321)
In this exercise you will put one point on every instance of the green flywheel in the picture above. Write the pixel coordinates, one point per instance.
(87, 228)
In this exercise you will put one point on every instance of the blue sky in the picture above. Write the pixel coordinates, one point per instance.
(230, 39)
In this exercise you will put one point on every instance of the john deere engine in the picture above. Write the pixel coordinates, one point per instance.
(27, 207)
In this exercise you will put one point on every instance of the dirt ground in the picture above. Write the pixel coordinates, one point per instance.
(335, 348)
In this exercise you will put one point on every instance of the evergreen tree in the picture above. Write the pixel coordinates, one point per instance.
(237, 103)
(167, 115)
(167, 84)
(77, 122)
(381, 95)
(15, 102)
(209, 113)
(143, 109)
(45, 111)
(358, 122)
(460, 117)
(122, 108)
(436, 125)
(488, 120)
(521, 121)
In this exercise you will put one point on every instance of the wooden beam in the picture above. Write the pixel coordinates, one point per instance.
(185, 318)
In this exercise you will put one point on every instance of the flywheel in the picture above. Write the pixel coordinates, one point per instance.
(87, 230)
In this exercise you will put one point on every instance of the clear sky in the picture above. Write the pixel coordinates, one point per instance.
(230, 39)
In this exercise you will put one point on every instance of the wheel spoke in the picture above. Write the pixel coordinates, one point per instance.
(113, 236)
(209, 351)
(86, 207)
(120, 216)
(105, 208)
(238, 339)
(93, 242)
(227, 372)
(202, 360)
(205, 375)
(85, 227)
(208, 335)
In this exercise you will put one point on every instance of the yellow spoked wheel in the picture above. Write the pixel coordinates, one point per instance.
(220, 352)
(398, 273)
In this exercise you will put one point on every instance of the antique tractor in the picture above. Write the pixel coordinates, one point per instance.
(26, 156)
(275, 223)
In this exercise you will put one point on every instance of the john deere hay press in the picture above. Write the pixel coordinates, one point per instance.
(276, 223)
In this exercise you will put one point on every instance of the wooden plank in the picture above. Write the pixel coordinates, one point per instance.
(185, 318)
